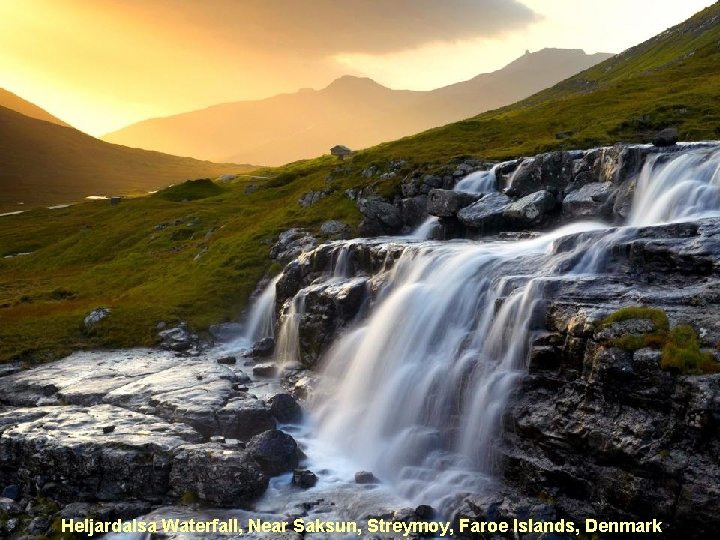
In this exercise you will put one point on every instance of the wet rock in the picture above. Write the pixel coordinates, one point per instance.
(622, 205)
(108, 429)
(11, 492)
(447, 203)
(587, 202)
(285, 409)
(264, 347)
(217, 475)
(227, 360)
(62, 447)
(9, 507)
(485, 214)
(551, 172)
(39, 525)
(178, 338)
(413, 210)
(304, 478)
(425, 511)
(365, 477)
(275, 451)
(95, 316)
(265, 370)
(531, 210)
(244, 417)
(666, 137)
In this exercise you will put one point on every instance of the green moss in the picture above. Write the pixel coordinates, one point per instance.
(682, 353)
(680, 346)
(658, 317)
(189, 498)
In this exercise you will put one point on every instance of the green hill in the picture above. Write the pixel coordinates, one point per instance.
(196, 252)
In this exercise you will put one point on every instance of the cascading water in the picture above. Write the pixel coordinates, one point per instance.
(260, 321)
(417, 390)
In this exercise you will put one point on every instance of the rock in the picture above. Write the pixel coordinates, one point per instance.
(666, 137)
(304, 478)
(588, 201)
(447, 203)
(39, 525)
(485, 214)
(108, 429)
(413, 210)
(244, 417)
(622, 206)
(531, 210)
(11, 492)
(217, 475)
(275, 451)
(9, 507)
(227, 360)
(265, 370)
(94, 317)
(335, 229)
(60, 445)
(365, 477)
(178, 338)
(551, 172)
(292, 243)
(264, 347)
(312, 197)
(425, 512)
(285, 409)
(380, 217)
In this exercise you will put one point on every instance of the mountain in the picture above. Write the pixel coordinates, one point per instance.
(18, 104)
(42, 163)
(354, 111)
(669, 80)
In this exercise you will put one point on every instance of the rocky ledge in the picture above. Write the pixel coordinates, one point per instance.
(124, 431)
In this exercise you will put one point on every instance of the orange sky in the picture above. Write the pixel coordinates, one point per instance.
(103, 64)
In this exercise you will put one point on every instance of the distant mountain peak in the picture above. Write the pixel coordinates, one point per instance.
(353, 83)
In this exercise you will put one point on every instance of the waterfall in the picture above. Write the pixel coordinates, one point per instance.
(477, 182)
(260, 321)
(417, 390)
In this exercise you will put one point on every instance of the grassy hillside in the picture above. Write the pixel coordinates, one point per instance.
(42, 163)
(155, 258)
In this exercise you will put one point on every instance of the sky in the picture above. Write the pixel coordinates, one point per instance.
(103, 64)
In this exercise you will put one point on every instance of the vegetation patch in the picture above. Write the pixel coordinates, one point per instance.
(191, 190)
(680, 346)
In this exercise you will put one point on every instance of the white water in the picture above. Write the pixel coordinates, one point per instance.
(416, 392)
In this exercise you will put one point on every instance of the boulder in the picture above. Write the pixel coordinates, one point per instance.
(304, 478)
(264, 347)
(11, 492)
(588, 201)
(94, 317)
(447, 203)
(666, 137)
(531, 210)
(380, 217)
(244, 417)
(365, 477)
(285, 409)
(217, 475)
(310, 198)
(275, 451)
(292, 243)
(265, 370)
(413, 210)
(486, 213)
(178, 338)
(335, 229)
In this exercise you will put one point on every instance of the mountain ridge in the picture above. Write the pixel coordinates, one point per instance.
(45, 163)
(15, 103)
(352, 110)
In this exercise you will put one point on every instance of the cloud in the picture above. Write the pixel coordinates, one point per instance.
(328, 27)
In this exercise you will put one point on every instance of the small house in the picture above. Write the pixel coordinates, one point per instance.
(340, 151)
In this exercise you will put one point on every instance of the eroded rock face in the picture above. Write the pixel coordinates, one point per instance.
(447, 203)
(217, 475)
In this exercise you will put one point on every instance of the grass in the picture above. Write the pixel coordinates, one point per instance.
(195, 251)
(680, 346)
